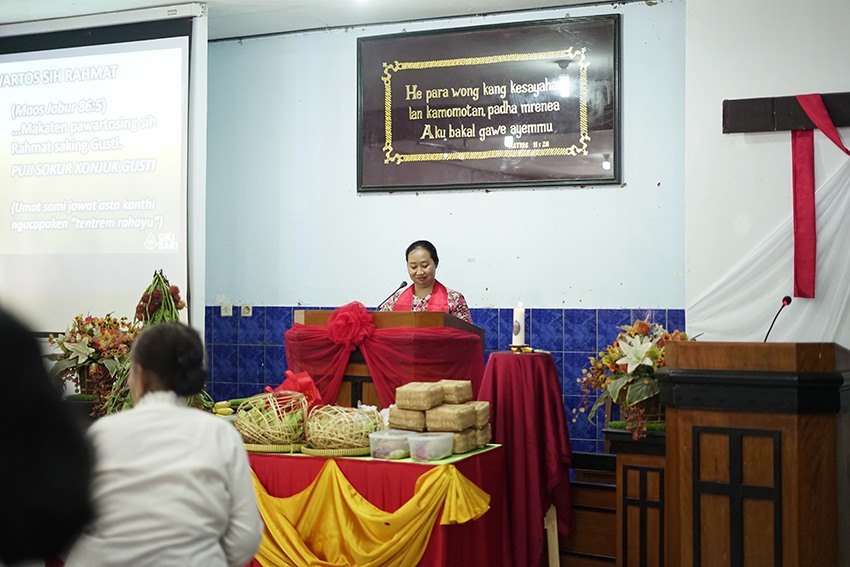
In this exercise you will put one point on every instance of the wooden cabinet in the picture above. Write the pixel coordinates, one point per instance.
(594, 498)
(641, 501)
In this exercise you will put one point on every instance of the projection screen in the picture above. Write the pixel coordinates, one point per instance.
(95, 157)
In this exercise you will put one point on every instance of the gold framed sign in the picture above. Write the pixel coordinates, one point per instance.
(520, 105)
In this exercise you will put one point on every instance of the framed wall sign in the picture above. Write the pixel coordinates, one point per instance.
(532, 104)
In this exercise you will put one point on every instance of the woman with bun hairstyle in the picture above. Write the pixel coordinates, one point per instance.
(172, 484)
(426, 293)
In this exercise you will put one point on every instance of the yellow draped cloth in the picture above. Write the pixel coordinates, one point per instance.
(329, 524)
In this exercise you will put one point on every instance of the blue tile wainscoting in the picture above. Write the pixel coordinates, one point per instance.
(246, 354)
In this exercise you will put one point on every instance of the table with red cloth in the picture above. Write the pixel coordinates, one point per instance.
(389, 484)
(527, 417)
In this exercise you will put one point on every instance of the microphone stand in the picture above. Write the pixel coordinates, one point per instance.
(403, 284)
(785, 301)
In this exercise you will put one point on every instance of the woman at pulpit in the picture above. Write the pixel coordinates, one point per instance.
(426, 293)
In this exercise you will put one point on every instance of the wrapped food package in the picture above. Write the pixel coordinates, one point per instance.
(419, 395)
(456, 391)
(482, 436)
(482, 412)
(450, 417)
(465, 441)
(410, 420)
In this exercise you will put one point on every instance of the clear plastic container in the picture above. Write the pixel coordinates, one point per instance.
(430, 446)
(390, 444)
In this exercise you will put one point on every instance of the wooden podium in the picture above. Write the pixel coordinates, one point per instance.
(758, 454)
(357, 382)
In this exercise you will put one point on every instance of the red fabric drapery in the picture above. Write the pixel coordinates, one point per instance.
(805, 231)
(527, 417)
(394, 356)
(389, 484)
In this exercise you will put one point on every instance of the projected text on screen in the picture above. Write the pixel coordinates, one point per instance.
(93, 152)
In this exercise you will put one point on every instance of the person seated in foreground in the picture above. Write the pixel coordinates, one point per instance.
(47, 463)
(426, 293)
(172, 484)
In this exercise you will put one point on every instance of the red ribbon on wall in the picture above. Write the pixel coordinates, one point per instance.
(803, 158)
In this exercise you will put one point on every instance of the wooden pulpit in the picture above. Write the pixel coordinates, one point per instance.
(357, 382)
(758, 453)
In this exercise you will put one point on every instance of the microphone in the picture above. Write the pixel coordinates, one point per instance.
(403, 284)
(785, 301)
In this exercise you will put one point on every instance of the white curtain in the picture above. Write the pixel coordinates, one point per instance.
(742, 304)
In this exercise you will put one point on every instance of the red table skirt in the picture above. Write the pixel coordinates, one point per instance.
(388, 485)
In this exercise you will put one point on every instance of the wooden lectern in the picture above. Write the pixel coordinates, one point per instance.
(758, 453)
(357, 382)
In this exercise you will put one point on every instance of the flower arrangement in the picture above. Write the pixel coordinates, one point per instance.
(92, 353)
(625, 372)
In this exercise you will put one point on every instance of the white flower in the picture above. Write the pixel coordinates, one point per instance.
(635, 351)
(80, 350)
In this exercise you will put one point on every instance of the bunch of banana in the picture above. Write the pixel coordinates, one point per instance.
(226, 407)
(223, 408)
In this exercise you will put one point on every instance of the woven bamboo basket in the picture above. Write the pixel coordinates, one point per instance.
(338, 427)
(276, 418)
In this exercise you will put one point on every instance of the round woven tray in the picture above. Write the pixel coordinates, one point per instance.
(355, 452)
(255, 448)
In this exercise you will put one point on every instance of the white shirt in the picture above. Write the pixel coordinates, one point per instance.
(172, 487)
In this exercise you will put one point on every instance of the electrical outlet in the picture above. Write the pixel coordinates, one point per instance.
(247, 310)
(227, 310)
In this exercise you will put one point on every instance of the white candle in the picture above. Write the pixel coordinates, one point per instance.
(519, 325)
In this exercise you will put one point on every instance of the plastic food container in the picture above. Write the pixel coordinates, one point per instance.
(389, 444)
(430, 446)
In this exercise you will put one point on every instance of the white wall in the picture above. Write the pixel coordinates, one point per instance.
(739, 185)
(285, 224)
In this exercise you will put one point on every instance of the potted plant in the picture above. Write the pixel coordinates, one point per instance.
(625, 374)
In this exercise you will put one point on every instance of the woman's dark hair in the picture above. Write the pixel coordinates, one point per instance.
(427, 246)
(47, 500)
(175, 353)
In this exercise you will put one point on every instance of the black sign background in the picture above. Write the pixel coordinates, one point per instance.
(436, 109)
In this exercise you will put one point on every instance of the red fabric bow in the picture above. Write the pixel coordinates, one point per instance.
(350, 325)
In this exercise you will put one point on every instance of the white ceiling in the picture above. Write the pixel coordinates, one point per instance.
(243, 18)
